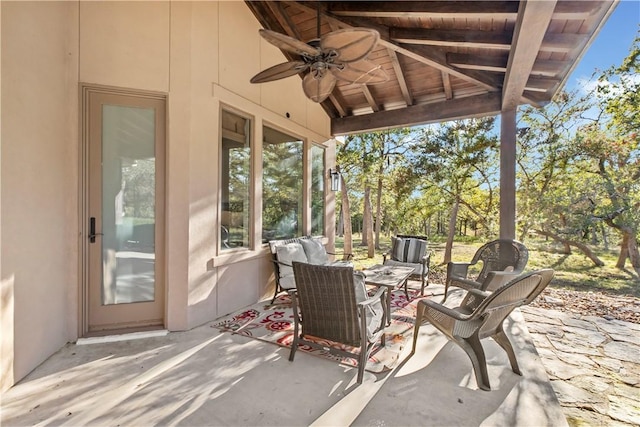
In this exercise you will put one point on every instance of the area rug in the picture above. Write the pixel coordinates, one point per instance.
(273, 323)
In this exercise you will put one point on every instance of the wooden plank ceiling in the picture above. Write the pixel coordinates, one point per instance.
(446, 59)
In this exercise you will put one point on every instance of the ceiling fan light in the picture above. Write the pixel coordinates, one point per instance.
(319, 88)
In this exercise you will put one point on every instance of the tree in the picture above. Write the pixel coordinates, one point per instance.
(610, 148)
(459, 158)
(369, 160)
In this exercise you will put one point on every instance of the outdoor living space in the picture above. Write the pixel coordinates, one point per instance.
(207, 376)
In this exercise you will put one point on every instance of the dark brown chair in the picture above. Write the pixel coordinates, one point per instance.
(481, 315)
(498, 255)
(331, 303)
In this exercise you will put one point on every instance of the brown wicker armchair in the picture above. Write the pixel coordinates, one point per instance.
(481, 315)
(331, 303)
(498, 255)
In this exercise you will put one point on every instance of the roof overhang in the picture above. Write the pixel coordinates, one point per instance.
(447, 59)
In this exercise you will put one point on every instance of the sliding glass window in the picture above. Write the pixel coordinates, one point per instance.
(317, 190)
(282, 173)
(235, 180)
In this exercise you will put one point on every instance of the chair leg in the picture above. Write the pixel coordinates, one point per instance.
(503, 341)
(416, 328)
(275, 293)
(474, 350)
(294, 347)
(446, 291)
(362, 359)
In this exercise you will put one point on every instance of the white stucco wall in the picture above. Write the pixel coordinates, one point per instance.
(201, 55)
(39, 180)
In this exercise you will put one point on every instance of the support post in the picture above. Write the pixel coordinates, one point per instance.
(508, 174)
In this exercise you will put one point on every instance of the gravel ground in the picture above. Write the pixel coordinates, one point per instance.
(626, 308)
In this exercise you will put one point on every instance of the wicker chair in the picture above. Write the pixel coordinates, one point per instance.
(331, 303)
(498, 255)
(481, 315)
(410, 251)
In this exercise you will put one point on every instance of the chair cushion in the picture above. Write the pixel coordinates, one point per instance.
(286, 254)
(408, 250)
(315, 251)
(417, 267)
(397, 249)
(373, 312)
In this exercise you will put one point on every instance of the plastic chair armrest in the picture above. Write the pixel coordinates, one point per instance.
(457, 269)
(445, 310)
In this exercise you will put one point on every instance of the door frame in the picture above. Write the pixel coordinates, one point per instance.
(85, 90)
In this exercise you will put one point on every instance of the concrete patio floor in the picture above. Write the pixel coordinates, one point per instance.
(204, 377)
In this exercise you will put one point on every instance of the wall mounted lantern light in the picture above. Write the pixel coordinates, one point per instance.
(334, 176)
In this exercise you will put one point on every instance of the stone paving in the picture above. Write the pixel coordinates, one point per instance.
(593, 364)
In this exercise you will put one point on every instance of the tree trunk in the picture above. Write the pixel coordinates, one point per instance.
(451, 232)
(367, 232)
(340, 227)
(581, 246)
(629, 249)
(346, 222)
(378, 219)
(634, 253)
(624, 250)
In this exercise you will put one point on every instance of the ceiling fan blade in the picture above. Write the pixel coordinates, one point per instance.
(361, 72)
(351, 44)
(318, 88)
(287, 43)
(280, 71)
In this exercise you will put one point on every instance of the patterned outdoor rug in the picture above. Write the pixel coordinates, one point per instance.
(273, 323)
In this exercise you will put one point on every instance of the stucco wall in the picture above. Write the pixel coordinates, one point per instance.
(39, 181)
(201, 55)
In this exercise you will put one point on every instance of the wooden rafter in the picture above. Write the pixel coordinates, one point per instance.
(454, 9)
(372, 102)
(498, 64)
(446, 84)
(531, 26)
(284, 19)
(462, 38)
(426, 9)
(402, 82)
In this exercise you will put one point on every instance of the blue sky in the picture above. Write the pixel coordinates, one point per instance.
(611, 45)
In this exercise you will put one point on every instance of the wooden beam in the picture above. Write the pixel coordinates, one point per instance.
(548, 68)
(337, 104)
(455, 9)
(563, 43)
(370, 99)
(446, 84)
(537, 84)
(397, 68)
(284, 19)
(458, 38)
(531, 25)
(426, 9)
(473, 106)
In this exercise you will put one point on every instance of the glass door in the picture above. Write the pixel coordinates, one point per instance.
(125, 173)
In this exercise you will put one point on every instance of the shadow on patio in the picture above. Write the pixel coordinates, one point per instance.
(207, 377)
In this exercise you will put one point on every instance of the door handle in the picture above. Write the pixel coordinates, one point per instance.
(92, 230)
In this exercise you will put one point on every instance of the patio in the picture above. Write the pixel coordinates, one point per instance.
(207, 377)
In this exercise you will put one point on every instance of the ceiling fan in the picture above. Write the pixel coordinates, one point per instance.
(336, 55)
